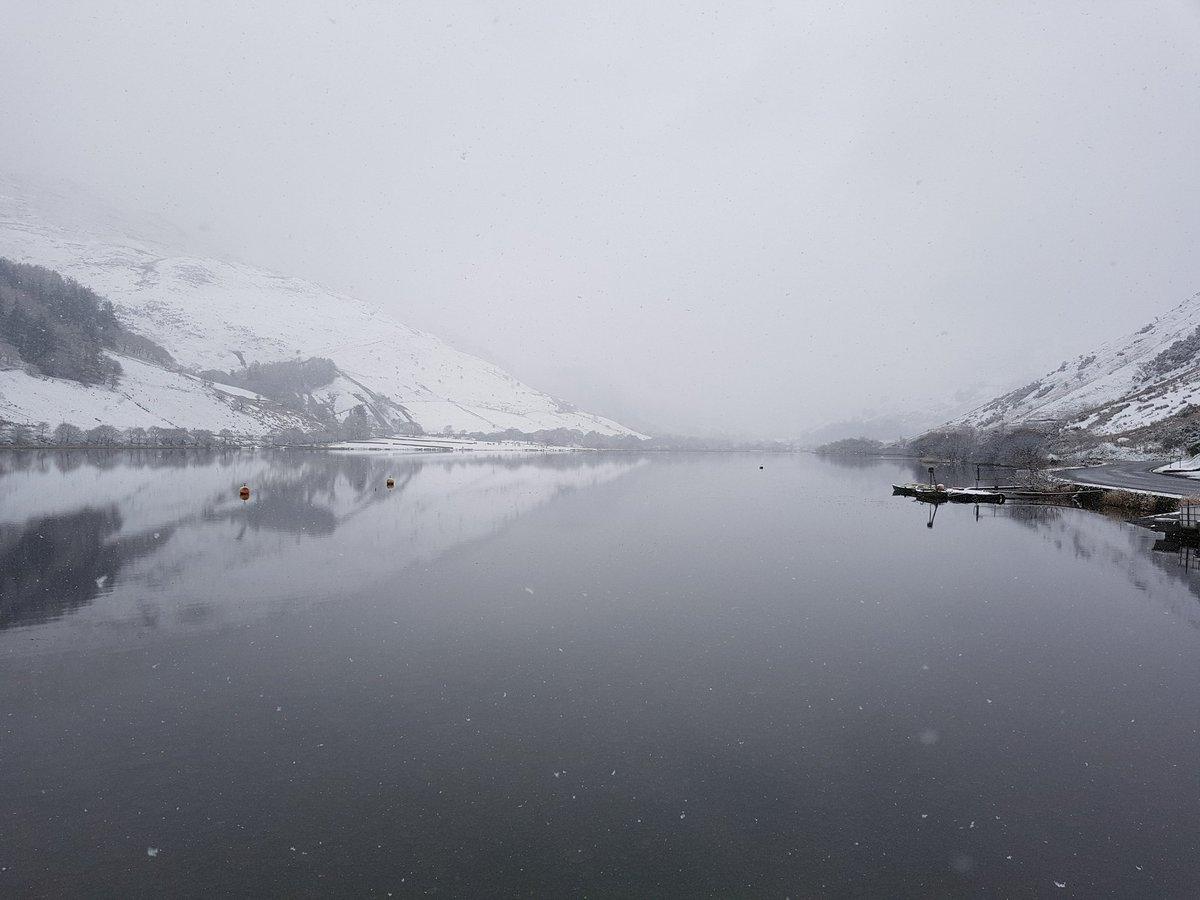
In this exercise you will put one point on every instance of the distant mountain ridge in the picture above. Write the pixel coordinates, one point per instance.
(1130, 383)
(900, 420)
(216, 315)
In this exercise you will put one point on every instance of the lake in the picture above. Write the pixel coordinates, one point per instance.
(602, 674)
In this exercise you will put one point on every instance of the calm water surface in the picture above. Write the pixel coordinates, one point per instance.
(587, 674)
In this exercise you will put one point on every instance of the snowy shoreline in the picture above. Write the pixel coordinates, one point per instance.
(378, 445)
(442, 445)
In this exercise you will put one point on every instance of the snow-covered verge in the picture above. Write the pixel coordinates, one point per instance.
(1187, 468)
(1187, 465)
(1191, 474)
(215, 314)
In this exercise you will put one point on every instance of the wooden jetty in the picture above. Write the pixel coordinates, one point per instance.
(1166, 523)
(1181, 527)
(1066, 492)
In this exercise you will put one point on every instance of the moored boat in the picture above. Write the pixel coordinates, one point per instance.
(928, 494)
(974, 495)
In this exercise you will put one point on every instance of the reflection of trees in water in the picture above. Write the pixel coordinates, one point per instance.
(584, 459)
(71, 460)
(1170, 550)
(1032, 515)
(1111, 540)
(54, 565)
(854, 462)
(1180, 562)
(952, 474)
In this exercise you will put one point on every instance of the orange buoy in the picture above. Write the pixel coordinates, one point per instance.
(391, 482)
(244, 493)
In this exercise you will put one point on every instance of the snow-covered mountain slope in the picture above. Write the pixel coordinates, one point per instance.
(146, 396)
(1126, 384)
(215, 314)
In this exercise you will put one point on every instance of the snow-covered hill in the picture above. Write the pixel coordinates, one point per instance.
(215, 314)
(147, 396)
(1126, 384)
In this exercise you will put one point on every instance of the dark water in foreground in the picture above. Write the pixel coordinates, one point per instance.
(592, 674)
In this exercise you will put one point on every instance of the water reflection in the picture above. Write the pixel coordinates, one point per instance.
(53, 565)
(150, 529)
(1108, 541)
(1155, 568)
(1187, 556)
(699, 678)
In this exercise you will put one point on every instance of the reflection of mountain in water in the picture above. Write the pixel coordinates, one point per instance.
(1121, 547)
(53, 565)
(317, 525)
(849, 461)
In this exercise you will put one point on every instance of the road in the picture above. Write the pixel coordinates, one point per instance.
(1133, 476)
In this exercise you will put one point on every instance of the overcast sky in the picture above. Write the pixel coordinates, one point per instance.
(733, 217)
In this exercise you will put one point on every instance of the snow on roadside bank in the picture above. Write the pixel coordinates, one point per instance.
(1189, 467)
